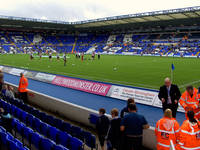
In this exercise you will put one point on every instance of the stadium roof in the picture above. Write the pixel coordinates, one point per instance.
(191, 14)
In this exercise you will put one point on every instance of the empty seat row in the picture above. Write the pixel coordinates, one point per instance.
(8, 142)
(46, 129)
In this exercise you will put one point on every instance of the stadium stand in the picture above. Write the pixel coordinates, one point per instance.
(36, 128)
(170, 44)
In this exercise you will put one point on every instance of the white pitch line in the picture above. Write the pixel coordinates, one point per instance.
(193, 82)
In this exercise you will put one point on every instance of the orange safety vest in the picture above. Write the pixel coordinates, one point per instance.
(166, 129)
(23, 84)
(189, 136)
(192, 102)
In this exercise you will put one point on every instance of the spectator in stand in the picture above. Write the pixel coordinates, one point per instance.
(125, 109)
(132, 125)
(1, 80)
(114, 133)
(22, 89)
(169, 95)
(102, 126)
(167, 129)
(190, 133)
(9, 92)
(6, 120)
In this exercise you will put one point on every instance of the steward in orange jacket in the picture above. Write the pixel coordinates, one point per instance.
(167, 129)
(190, 133)
(22, 89)
(190, 101)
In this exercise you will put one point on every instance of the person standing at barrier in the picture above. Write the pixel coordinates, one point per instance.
(190, 133)
(22, 89)
(114, 133)
(102, 126)
(132, 125)
(190, 101)
(1, 80)
(125, 111)
(169, 95)
(167, 129)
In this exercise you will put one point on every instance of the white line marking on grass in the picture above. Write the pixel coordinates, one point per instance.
(193, 82)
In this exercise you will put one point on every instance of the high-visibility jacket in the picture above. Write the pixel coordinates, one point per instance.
(192, 102)
(23, 84)
(189, 136)
(166, 129)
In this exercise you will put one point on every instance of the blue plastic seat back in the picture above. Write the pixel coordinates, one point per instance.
(3, 138)
(64, 139)
(30, 120)
(76, 132)
(35, 140)
(53, 132)
(24, 117)
(11, 145)
(59, 147)
(20, 126)
(76, 144)
(50, 120)
(66, 127)
(27, 133)
(46, 144)
(90, 139)
(43, 116)
(58, 123)
(44, 129)
(93, 118)
(37, 124)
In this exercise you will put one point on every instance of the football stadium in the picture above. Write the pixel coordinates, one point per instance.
(63, 85)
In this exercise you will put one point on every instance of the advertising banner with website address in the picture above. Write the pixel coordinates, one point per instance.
(141, 96)
(82, 85)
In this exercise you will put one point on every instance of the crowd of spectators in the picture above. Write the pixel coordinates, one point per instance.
(124, 132)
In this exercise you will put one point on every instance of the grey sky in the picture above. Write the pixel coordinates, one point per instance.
(74, 10)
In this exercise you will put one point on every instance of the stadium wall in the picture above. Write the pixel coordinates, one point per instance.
(77, 113)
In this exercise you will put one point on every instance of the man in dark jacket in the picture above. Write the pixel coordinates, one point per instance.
(169, 95)
(114, 133)
(102, 126)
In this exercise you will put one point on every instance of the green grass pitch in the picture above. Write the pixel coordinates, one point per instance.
(147, 72)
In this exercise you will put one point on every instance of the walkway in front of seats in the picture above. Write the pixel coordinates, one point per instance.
(152, 114)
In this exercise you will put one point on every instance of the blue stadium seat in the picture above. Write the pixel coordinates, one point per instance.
(37, 124)
(66, 127)
(46, 144)
(59, 147)
(64, 139)
(35, 140)
(76, 132)
(53, 132)
(76, 144)
(11, 145)
(44, 129)
(30, 119)
(93, 118)
(50, 120)
(58, 123)
(90, 139)
(27, 133)
(24, 117)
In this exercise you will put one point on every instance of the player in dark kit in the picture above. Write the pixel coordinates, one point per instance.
(99, 55)
(50, 56)
(65, 59)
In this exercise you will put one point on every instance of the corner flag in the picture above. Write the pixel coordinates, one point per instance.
(173, 67)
